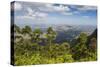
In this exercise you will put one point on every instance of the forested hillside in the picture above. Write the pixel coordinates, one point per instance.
(38, 47)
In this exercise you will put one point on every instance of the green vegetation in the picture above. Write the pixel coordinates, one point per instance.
(37, 47)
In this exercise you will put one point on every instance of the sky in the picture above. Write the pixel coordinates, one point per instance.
(50, 13)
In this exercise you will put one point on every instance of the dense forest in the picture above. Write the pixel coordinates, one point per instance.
(37, 47)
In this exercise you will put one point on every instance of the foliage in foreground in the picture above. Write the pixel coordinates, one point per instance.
(36, 47)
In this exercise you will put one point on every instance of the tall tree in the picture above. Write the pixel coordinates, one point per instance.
(36, 35)
(51, 35)
(80, 49)
(26, 30)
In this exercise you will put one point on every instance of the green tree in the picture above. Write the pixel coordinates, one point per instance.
(36, 35)
(26, 30)
(65, 47)
(93, 44)
(51, 35)
(17, 29)
(82, 38)
(80, 49)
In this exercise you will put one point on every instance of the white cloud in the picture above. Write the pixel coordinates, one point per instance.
(46, 8)
(85, 8)
(17, 6)
(36, 16)
(52, 8)
(61, 8)
(34, 13)
(67, 13)
(29, 11)
(25, 17)
(86, 17)
(41, 14)
(41, 10)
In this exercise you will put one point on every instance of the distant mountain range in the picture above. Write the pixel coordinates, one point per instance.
(65, 32)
